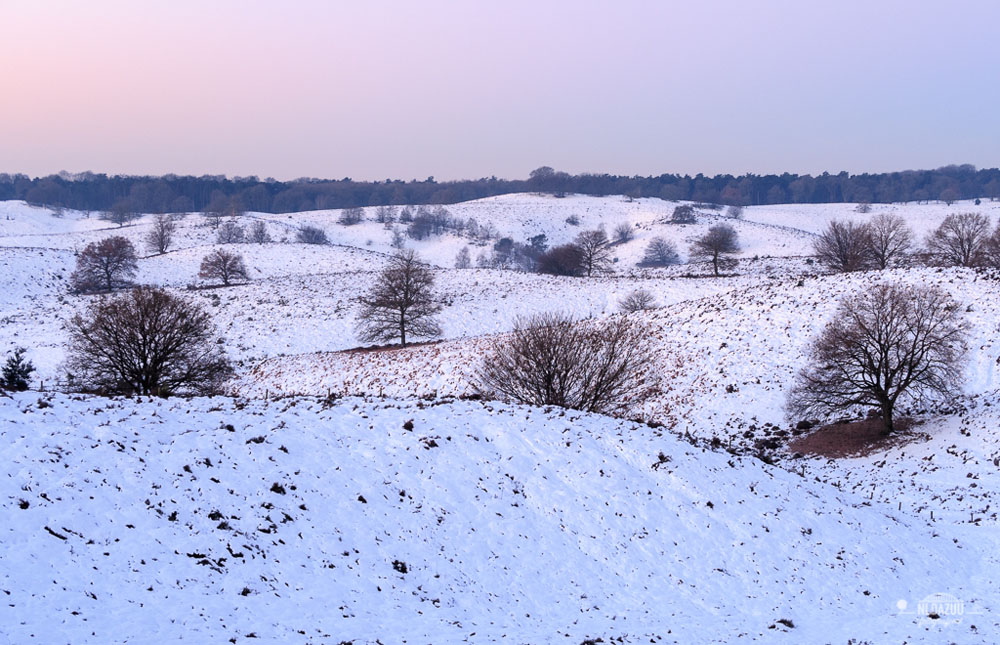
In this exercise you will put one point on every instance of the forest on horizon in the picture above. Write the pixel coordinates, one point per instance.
(88, 191)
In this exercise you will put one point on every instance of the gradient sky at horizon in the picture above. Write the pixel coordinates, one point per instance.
(404, 89)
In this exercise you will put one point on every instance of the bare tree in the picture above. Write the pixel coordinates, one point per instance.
(624, 233)
(398, 238)
(217, 208)
(638, 300)
(548, 359)
(890, 240)
(716, 246)
(351, 216)
(121, 212)
(735, 211)
(257, 233)
(844, 247)
(223, 265)
(229, 232)
(146, 341)
(104, 266)
(161, 236)
(401, 303)
(960, 240)
(660, 253)
(464, 259)
(385, 214)
(311, 235)
(884, 345)
(595, 251)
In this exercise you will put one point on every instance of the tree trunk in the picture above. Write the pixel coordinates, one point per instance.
(887, 425)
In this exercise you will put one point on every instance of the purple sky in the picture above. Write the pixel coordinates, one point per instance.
(406, 89)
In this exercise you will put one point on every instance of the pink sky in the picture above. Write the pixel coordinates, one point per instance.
(408, 89)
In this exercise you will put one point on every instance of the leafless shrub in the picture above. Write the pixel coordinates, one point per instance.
(623, 233)
(863, 207)
(104, 266)
(230, 232)
(566, 259)
(257, 233)
(638, 300)
(844, 247)
(311, 235)
(401, 303)
(161, 236)
(351, 216)
(223, 266)
(889, 344)
(683, 214)
(146, 341)
(385, 214)
(960, 240)
(716, 246)
(548, 359)
(735, 211)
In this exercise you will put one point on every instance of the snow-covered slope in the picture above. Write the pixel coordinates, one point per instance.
(388, 521)
(514, 524)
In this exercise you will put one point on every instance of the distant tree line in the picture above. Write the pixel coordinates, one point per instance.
(217, 193)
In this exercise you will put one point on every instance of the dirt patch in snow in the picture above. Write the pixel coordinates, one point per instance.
(855, 438)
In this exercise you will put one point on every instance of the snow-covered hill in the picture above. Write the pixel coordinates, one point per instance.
(390, 521)
(514, 524)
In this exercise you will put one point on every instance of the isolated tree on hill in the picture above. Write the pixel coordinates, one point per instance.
(960, 240)
(230, 232)
(464, 259)
(104, 266)
(401, 304)
(566, 259)
(716, 246)
(660, 253)
(890, 240)
(224, 266)
(16, 372)
(595, 251)
(146, 341)
(121, 212)
(161, 236)
(638, 300)
(624, 233)
(844, 247)
(257, 233)
(549, 359)
(883, 346)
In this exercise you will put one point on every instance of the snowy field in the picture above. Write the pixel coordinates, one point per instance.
(124, 517)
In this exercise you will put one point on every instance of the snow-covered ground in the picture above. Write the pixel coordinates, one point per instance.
(391, 521)
(516, 524)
